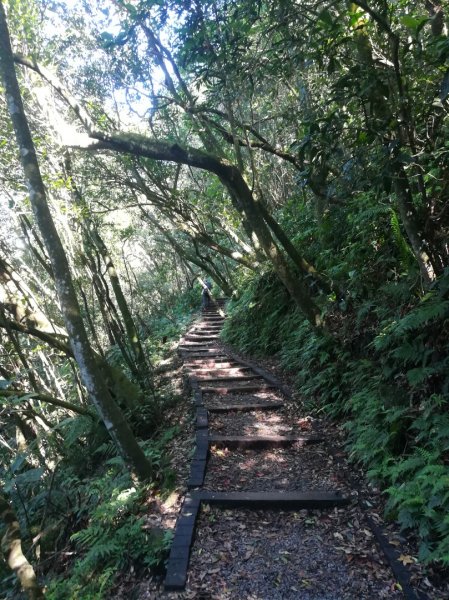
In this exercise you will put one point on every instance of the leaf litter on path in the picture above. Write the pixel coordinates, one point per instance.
(277, 555)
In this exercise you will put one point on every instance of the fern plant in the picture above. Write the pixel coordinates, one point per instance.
(112, 539)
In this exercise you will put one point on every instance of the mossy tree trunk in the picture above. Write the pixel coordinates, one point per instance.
(13, 553)
(91, 376)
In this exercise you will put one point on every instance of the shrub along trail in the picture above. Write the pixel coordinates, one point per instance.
(273, 509)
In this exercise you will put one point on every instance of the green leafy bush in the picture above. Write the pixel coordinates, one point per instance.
(111, 535)
(383, 366)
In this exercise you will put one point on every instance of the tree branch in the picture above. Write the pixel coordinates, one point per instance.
(46, 398)
(56, 84)
(51, 340)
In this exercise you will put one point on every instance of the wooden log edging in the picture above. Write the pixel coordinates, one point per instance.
(391, 554)
(178, 561)
(262, 441)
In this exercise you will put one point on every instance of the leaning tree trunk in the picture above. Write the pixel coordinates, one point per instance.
(241, 196)
(300, 262)
(234, 181)
(91, 376)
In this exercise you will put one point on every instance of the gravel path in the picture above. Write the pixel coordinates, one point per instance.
(299, 468)
(211, 399)
(256, 422)
(244, 554)
(270, 555)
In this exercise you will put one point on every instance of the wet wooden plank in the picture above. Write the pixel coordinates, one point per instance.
(278, 500)
(236, 389)
(263, 441)
(246, 407)
(231, 378)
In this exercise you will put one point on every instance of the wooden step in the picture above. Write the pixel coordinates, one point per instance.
(193, 337)
(178, 562)
(217, 352)
(199, 337)
(197, 348)
(202, 350)
(224, 372)
(260, 371)
(205, 332)
(190, 355)
(194, 344)
(237, 389)
(229, 378)
(275, 500)
(198, 364)
(246, 407)
(206, 353)
(263, 441)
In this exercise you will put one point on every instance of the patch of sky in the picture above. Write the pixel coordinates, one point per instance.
(134, 101)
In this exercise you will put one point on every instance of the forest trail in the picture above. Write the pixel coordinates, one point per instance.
(270, 513)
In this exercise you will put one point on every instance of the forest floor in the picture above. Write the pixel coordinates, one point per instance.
(273, 554)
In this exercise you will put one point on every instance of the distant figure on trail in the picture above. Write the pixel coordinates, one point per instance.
(206, 296)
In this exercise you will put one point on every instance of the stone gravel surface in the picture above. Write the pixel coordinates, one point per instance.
(256, 422)
(297, 468)
(270, 555)
(211, 399)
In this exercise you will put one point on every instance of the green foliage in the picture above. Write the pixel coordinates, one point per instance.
(256, 315)
(169, 321)
(111, 535)
(91, 508)
(383, 366)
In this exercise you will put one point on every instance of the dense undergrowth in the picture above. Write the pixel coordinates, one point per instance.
(89, 511)
(382, 367)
